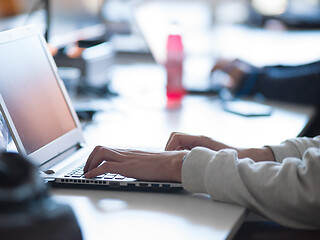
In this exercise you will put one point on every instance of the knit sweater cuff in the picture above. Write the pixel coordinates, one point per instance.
(283, 151)
(194, 167)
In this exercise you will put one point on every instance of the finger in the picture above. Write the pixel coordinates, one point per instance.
(179, 148)
(107, 167)
(221, 64)
(95, 150)
(225, 66)
(218, 65)
(131, 152)
(104, 154)
(169, 140)
(174, 142)
(172, 139)
(103, 168)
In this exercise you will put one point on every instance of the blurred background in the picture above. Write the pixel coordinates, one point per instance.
(107, 48)
(89, 37)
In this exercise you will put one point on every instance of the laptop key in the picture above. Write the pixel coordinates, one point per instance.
(99, 177)
(111, 174)
(76, 176)
(108, 177)
(119, 177)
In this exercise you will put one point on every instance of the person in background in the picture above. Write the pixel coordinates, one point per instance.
(295, 84)
(280, 182)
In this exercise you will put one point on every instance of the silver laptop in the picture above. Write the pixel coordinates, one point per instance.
(42, 120)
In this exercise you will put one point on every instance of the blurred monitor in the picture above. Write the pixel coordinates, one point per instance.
(70, 20)
(73, 20)
(298, 14)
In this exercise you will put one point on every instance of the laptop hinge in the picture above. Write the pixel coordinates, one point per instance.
(55, 160)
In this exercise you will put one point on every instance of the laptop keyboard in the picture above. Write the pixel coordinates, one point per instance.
(78, 173)
(76, 176)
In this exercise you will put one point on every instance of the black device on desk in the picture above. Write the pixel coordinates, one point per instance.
(26, 210)
(247, 108)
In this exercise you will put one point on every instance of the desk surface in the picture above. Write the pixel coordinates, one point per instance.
(137, 125)
(139, 215)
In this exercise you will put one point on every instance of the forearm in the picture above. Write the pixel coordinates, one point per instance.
(256, 154)
(295, 147)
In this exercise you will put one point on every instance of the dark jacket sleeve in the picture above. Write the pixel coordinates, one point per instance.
(296, 84)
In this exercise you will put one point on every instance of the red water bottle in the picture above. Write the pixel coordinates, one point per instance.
(174, 66)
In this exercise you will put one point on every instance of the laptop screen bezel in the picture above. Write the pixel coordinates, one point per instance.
(64, 142)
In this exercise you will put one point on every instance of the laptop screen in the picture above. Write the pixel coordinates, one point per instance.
(32, 94)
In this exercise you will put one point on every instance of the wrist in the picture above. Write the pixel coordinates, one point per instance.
(247, 83)
(214, 144)
(257, 154)
(247, 75)
(177, 162)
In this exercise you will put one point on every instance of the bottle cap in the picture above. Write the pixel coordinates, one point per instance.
(174, 43)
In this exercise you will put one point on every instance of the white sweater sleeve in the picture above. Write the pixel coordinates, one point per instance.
(286, 191)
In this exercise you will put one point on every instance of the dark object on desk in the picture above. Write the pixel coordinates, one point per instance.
(247, 108)
(85, 114)
(26, 211)
(101, 91)
(94, 62)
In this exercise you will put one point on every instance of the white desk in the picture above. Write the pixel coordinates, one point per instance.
(140, 119)
(139, 215)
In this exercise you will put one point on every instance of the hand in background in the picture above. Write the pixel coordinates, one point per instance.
(230, 73)
(181, 141)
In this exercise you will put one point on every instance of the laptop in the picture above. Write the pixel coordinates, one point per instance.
(41, 119)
